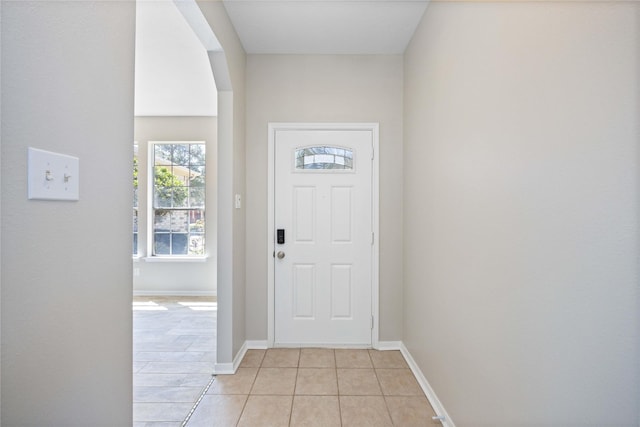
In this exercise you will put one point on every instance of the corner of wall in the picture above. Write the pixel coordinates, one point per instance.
(229, 69)
(437, 406)
(0, 214)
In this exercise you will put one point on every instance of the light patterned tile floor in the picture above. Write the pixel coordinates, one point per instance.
(173, 357)
(174, 347)
(318, 387)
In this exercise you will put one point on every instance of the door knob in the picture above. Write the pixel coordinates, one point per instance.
(280, 254)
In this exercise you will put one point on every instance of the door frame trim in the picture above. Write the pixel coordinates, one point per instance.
(375, 189)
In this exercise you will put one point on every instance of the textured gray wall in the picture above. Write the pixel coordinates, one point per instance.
(325, 88)
(67, 86)
(520, 211)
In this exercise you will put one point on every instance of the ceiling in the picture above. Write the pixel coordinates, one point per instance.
(173, 73)
(325, 26)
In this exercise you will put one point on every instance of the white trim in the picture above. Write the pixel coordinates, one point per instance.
(231, 368)
(375, 188)
(322, 345)
(257, 345)
(375, 256)
(164, 293)
(426, 387)
(150, 209)
(223, 369)
(271, 156)
(175, 258)
(388, 345)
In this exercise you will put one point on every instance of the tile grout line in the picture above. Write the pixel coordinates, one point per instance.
(195, 405)
(295, 384)
(384, 396)
(253, 383)
(335, 362)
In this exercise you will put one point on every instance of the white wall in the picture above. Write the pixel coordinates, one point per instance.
(67, 86)
(521, 211)
(325, 88)
(175, 277)
(173, 76)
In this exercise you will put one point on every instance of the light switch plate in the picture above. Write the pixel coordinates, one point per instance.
(52, 176)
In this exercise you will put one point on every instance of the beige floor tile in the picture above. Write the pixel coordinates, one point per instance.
(281, 358)
(364, 411)
(353, 358)
(317, 381)
(266, 411)
(358, 382)
(317, 358)
(388, 359)
(410, 411)
(238, 383)
(275, 381)
(315, 411)
(218, 411)
(398, 382)
(252, 359)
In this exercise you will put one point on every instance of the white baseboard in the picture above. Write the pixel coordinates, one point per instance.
(231, 368)
(428, 391)
(321, 345)
(388, 345)
(174, 293)
(256, 345)
(223, 369)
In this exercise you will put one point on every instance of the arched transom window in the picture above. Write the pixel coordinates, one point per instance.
(323, 157)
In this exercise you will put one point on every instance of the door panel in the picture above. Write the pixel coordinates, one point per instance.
(323, 200)
(304, 208)
(341, 292)
(341, 215)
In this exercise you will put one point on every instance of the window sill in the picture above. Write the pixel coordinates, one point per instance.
(176, 259)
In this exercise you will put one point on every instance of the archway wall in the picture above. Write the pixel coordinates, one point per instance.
(229, 72)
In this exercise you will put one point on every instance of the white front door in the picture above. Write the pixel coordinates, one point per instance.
(323, 258)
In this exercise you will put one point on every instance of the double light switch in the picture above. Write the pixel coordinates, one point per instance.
(52, 176)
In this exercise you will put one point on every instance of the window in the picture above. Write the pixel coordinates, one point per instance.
(135, 199)
(324, 158)
(178, 199)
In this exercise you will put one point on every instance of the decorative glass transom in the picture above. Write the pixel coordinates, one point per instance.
(324, 158)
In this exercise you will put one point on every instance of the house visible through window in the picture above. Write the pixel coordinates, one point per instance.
(178, 200)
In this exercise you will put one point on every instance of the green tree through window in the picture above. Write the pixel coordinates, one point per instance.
(178, 199)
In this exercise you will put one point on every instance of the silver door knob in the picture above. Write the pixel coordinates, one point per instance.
(280, 255)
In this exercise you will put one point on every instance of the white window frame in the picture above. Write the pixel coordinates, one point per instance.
(150, 241)
(136, 206)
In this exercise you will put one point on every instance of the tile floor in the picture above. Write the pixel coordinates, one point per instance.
(174, 344)
(316, 387)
